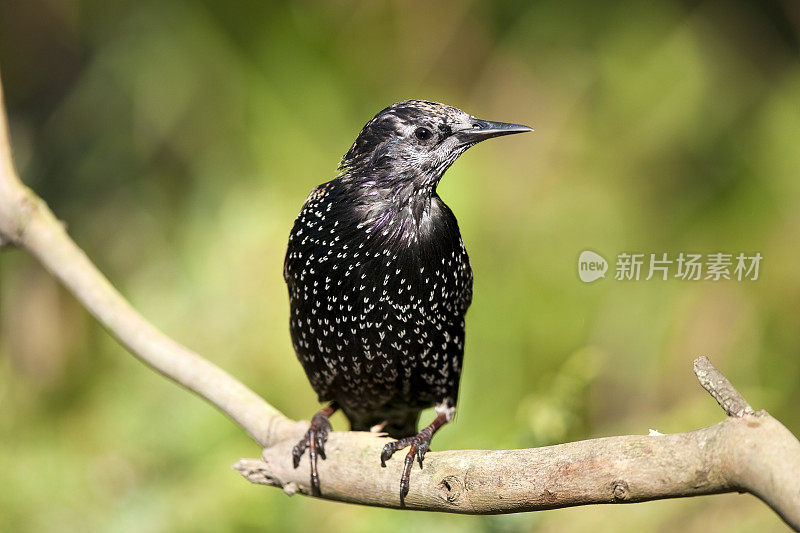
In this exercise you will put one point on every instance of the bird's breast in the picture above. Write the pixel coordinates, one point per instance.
(378, 304)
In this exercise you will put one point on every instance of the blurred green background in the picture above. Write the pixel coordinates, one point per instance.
(178, 140)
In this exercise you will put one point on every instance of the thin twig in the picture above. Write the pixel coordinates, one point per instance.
(718, 386)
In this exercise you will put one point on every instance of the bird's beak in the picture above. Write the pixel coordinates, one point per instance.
(486, 129)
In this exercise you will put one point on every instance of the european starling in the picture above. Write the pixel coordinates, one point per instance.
(379, 281)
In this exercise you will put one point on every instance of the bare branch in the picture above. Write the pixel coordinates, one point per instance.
(721, 389)
(26, 221)
(750, 454)
(746, 452)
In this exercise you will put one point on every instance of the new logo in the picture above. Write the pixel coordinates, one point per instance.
(591, 266)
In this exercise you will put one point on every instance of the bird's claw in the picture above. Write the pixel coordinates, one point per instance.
(418, 447)
(313, 441)
(422, 449)
(388, 451)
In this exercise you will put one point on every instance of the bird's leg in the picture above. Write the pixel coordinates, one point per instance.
(314, 440)
(418, 445)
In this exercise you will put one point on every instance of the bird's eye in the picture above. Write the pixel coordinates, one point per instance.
(422, 134)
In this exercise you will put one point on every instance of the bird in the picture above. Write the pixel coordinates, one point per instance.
(379, 282)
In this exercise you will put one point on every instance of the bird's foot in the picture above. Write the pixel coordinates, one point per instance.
(418, 446)
(314, 441)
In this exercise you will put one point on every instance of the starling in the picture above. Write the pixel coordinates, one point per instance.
(379, 281)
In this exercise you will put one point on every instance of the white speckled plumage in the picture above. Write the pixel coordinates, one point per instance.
(379, 279)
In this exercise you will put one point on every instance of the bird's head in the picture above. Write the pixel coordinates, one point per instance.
(410, 144)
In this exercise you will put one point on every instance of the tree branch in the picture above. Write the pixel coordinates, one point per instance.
(27, 222)
(754, 454)
(721, 389)
(747, 452)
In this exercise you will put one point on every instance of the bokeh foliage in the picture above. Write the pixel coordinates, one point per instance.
(178, 140)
